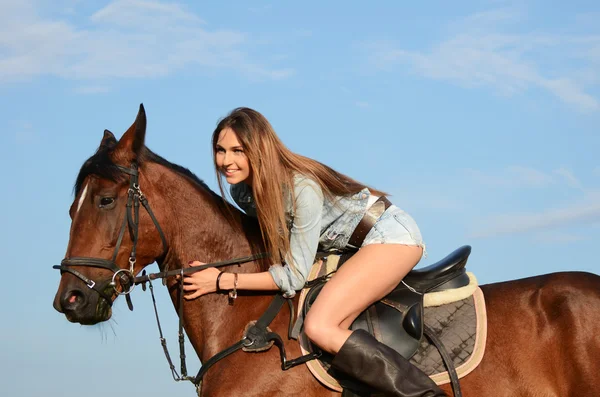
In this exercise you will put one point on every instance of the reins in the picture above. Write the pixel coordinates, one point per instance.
(197, 380)
(257, 337)
(190, 270)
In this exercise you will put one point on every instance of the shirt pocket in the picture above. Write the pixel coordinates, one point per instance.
(333, 238)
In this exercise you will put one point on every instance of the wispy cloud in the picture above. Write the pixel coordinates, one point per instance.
(145, 14)
(544, 225)
(92, 89)
(585, 209)
(260, 9)
(483, 51)
(516, 176)
(511, 177)
(569, 177)
(581, 213)
(557, 238)
(125, 39)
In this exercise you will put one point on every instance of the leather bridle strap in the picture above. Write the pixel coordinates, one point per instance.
(131, 220)
(147, 278)
(263, 322)
(190, 270)
(259, 334)
(90, 283)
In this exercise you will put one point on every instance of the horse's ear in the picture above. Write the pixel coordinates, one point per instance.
(108, 140)
(131, 143)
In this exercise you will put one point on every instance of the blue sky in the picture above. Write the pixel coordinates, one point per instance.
(479, 118)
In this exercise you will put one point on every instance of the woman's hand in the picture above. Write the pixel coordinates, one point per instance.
(200, 283)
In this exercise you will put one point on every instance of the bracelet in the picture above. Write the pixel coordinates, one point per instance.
(233, 292)
(218, 281)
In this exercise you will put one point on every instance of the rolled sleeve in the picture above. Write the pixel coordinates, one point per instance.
(304, 238)
(284, 280)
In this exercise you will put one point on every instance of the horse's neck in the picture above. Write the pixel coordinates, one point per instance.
(197, 229)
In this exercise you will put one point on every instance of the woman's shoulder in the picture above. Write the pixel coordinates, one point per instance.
(302, 181)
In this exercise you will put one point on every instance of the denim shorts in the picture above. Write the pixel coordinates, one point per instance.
(395, 227)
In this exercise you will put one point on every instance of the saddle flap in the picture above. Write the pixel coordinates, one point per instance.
(396, 320)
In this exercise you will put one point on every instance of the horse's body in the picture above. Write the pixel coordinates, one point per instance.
(543, 332)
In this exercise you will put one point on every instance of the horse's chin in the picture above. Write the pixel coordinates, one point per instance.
(99, 316)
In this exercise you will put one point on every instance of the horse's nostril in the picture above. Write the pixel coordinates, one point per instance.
(73, 299)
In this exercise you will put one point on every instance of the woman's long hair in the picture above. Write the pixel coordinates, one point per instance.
(273, 167)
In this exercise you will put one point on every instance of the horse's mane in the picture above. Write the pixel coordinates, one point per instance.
(101, 164)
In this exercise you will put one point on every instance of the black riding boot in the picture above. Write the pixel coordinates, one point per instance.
(382, 368)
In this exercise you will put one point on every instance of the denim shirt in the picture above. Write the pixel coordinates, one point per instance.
(317, 223)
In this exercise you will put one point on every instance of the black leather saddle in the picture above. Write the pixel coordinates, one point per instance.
(397, 319)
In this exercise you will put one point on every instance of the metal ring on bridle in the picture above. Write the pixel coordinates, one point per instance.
(114, 284)
(246, 340)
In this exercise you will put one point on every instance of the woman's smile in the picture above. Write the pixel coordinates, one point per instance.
(231, 158)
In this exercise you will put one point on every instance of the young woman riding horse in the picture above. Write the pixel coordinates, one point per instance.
(303, 205)
(542, 331)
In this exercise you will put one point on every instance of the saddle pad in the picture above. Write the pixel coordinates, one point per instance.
(462, 328)
(464, 336)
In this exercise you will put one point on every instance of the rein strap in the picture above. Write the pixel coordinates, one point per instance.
(190, 270)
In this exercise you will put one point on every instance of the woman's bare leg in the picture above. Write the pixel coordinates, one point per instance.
(372, 273)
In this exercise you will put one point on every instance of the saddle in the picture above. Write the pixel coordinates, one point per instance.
(397, 319)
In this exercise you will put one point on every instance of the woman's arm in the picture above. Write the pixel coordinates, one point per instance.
(205, 281)
(250, 281)
(304, 240)
(304, 237)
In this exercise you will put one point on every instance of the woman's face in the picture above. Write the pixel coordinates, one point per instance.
(231, 159)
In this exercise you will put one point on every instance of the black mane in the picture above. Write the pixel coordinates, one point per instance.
(101, 164)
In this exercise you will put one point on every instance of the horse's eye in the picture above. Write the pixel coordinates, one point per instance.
(106, 201)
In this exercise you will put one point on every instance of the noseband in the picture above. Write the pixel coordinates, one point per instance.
(128, 281)
(125, 276)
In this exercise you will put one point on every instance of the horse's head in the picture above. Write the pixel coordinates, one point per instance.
(112, 235)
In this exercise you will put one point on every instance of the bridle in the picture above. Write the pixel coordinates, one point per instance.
(126, 277)
(258, 335)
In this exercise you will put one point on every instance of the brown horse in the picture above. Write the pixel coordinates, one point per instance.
(543, 332)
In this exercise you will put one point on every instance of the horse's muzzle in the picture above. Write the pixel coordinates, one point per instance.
(82, 306)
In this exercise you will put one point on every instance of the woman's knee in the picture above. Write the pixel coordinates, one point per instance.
(327, 335)
(314, 328)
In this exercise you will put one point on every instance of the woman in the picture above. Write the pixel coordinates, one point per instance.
(302, 205)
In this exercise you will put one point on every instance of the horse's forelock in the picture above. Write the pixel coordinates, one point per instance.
(101, 165)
